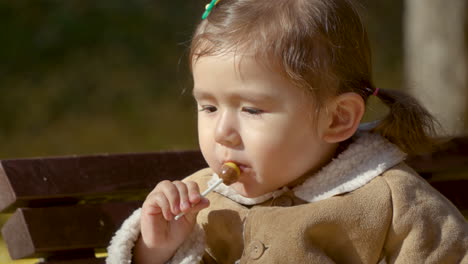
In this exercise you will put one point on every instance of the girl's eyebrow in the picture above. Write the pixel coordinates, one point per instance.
(257, 97)
(199, 93)
(250, 96)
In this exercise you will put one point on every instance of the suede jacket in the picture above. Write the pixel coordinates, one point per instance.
(366, 206)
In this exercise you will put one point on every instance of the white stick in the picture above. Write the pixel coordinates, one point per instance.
(207, 191)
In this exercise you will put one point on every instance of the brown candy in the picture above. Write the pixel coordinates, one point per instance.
(229, 173)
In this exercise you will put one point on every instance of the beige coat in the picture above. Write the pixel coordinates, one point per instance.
(364, 207)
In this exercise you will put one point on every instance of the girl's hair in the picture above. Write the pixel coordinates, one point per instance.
(319, 45)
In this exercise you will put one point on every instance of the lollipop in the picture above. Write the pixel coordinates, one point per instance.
(229, 174)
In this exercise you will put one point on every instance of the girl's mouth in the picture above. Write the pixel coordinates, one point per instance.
(242, 167)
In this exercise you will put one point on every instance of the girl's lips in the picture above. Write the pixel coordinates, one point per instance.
(241, 166)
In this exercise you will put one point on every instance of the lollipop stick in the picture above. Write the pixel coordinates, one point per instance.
(207, 191)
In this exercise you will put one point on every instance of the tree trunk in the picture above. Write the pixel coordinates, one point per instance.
(435, 59)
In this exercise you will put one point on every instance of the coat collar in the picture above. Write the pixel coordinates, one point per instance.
(366, 158)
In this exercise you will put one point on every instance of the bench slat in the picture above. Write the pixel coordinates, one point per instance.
(65, 180)
(42, 232)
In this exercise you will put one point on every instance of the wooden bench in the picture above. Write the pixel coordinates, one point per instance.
(66, 209)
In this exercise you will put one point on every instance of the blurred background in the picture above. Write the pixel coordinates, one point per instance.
(111, 76)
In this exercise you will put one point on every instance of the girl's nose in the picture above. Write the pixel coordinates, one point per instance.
(226, 132)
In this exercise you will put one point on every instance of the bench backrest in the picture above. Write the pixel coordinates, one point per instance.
(69, 207)
(65, 209)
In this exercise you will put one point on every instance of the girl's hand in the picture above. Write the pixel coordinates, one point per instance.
(161, 235)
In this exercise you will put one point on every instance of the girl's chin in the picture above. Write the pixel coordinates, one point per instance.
(244, 191)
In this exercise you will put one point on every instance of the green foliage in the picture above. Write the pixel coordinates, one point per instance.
(384, 21)
(93, 73)
(38, 34)
(84, 76)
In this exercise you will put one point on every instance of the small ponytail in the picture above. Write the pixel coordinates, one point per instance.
(408, 124)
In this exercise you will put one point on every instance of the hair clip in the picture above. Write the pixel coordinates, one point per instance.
(209, 7)
(371, 91)
(376, 91)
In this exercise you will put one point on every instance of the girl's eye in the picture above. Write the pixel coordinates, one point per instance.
(207, 108)
(252, 110)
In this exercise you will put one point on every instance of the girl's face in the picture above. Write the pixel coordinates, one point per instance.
(257, 119)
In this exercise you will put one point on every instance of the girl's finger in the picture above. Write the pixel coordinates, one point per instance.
(172, 195)
(183, 196)
(157, 200)
(193, 192)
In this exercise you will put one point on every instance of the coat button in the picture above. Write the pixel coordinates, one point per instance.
(256, 249)
(283, 201)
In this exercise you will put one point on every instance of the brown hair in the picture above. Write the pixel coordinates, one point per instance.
(320, 45)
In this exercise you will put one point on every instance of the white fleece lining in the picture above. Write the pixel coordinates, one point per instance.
(193, 248)
(366, 158)
(121, 245)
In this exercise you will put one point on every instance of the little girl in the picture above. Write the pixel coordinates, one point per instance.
(281, 88)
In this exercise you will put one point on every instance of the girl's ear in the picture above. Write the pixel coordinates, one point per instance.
(344, 113)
